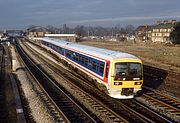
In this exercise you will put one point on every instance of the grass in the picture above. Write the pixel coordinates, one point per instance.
(167, 57)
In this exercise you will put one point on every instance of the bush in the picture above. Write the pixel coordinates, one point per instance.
(175, 34)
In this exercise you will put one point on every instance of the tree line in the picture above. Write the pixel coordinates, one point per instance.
(91, 31)
(175, 34)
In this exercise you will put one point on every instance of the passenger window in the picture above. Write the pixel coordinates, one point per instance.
(101, 68)
(90, 63)
(86, 61)
(79, 58)
(68, 54)
(94, 65)
(73, 55)
(83, 60)
(60, 50)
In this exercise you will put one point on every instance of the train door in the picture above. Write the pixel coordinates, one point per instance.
(107, 72)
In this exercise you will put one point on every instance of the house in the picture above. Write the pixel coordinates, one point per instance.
(37, 32)
(159, 32)
(141, 32)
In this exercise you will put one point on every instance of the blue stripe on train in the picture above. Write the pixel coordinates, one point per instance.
(73, 55)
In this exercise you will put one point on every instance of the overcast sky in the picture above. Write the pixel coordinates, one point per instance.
(22, 13)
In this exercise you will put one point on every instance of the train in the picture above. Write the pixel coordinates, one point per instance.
(118, 74)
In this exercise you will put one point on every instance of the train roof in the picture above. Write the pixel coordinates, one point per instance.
(99, 52)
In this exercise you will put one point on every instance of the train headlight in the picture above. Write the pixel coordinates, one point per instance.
(137, 83)
(117, 83)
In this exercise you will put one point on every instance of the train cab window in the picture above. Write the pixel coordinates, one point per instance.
(135, 69)
(128, 71)
(121, 70)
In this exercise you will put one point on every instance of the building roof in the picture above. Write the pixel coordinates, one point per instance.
(145, 28)
(38, 29)
(164, 26)
(142, 28)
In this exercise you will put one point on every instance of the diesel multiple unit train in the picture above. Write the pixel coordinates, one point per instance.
(118, 74)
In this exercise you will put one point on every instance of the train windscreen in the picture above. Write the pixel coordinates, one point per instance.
(128, 71)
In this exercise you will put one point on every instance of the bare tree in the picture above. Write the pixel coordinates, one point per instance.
(79, 30)
(130, 29)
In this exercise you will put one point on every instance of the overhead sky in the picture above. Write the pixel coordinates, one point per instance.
(22, 13)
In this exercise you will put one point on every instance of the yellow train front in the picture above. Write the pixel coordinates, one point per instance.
(125, 78)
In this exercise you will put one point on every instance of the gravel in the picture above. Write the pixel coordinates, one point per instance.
(38, 111)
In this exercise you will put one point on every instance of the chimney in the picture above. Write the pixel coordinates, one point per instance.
(173, 21)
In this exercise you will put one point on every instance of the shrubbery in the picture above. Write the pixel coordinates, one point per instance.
(175, 34)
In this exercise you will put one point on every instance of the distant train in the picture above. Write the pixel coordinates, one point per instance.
(118, 74)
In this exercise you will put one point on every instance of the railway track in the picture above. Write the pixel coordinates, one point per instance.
(129, 112)
(164, 104)
(159, 75)
(69, 110)
(155, 72)
(175, 103)
(93, 106)
(2, 107)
